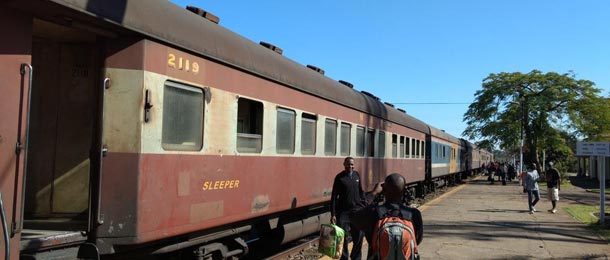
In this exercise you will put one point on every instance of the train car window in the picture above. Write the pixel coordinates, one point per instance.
(285, 131)
(381, 144)
(401, 154)
(438, 149)
(423, 149)
(394, 146)
(360, 144)
(182, 127)
(444, 155)
(346, 137)
(370, 142)
(417, 149)
(308, 134)
(407, 147)
(249, 126)
(330, 137)
(413, 148)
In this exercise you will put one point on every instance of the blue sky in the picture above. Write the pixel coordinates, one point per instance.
(429, 51)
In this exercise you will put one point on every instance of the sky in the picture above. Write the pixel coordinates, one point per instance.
(417, 54)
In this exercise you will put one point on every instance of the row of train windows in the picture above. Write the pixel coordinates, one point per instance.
(183, 127)
(405, 147)
(441, 151)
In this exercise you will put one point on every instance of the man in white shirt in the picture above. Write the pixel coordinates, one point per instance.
(531, 186)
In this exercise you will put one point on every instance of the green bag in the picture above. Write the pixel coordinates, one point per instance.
(331, 240)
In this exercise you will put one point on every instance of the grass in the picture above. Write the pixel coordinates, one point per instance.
(583, 213)
(564, 184)
(606, 191)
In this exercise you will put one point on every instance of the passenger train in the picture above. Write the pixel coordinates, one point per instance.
(141, 129)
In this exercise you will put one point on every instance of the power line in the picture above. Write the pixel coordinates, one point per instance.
(430, 103)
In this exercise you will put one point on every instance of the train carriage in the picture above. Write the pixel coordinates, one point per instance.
(474, 158)
(443, 153)
(140, 135)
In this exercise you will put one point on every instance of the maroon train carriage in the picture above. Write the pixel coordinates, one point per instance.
(161, 136)
(474, 158)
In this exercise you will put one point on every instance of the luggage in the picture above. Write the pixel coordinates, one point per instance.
(394, 235)
(331, 240)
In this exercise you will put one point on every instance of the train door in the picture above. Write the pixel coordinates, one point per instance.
(62, 129)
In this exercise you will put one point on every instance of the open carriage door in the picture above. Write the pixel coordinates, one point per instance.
(64, 147)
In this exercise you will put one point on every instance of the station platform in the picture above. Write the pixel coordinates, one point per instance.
(483, 221)
(478, 220)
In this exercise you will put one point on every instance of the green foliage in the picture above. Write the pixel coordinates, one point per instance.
(540, 107)
(591, 116)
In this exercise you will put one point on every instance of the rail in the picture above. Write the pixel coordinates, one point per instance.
(307, 243)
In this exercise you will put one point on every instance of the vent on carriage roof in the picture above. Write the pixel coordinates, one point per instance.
(272, 47)
(349, 85)
(321, 71)
(389, 104)
(370, 95)
(203, 13)
(402, 110)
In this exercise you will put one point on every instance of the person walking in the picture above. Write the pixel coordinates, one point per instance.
(347, 193)
(553, 182)
(511, 172)
(492, 172)
(531, 187)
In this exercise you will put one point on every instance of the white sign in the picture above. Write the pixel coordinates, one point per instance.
(592, 148)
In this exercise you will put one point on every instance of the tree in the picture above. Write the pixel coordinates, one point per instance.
(591, 116)
(538, 105)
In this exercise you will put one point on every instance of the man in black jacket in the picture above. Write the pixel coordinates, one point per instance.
(347, 193)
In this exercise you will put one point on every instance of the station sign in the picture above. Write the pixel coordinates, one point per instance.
(592, 148)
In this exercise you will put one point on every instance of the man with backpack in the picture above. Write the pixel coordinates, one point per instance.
(392, 229)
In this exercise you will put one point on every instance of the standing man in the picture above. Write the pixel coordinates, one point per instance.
(531, 186)
(346, 195)
(553, 181)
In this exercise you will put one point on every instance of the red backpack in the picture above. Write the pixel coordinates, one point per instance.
(394, 236)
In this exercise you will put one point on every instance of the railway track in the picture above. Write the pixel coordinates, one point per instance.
(303, 249)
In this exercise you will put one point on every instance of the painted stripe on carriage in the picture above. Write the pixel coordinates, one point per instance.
(440, 165)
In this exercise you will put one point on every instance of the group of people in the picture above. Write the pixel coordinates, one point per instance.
(529, 180)
(530, 186)
(356, 211)
(503, 171)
